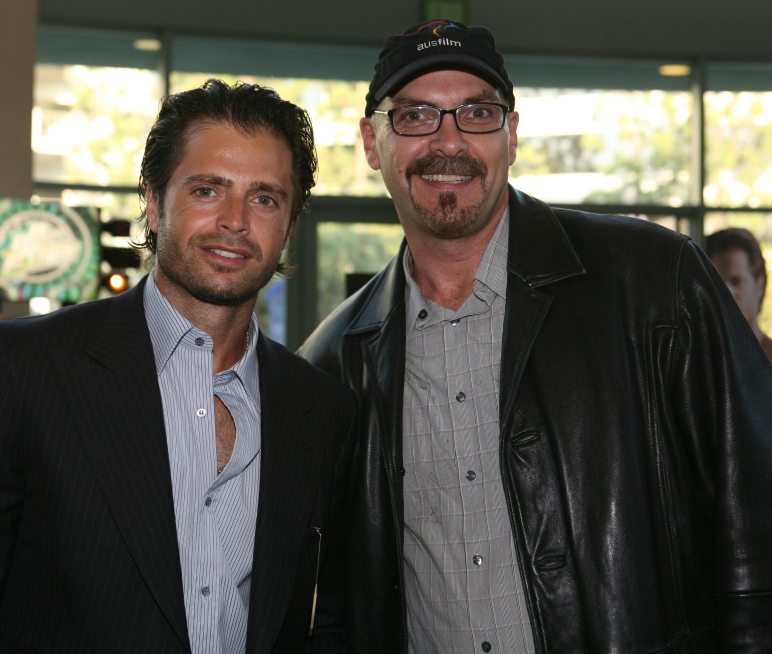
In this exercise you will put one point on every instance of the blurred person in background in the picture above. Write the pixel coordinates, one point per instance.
(737, 256)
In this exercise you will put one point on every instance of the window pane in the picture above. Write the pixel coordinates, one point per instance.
(760, 225)
(602, 130)
(631, 147)
(348, 249)
(738, 135)
(326, 81)
(675, 223)
(334, 108)
(90, 121)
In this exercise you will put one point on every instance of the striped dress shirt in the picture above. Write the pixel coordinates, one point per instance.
(215, 514)
(463, 586)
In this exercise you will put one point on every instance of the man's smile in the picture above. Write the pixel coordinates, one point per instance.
(447, 179)
(227, 254)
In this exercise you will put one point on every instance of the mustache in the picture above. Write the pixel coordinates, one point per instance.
(430, 164)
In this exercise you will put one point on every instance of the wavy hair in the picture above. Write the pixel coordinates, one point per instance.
(249, 108)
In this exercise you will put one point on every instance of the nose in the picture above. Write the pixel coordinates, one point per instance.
(233, 216)
(448, 139)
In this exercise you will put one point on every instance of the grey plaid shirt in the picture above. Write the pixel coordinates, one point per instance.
(464, 592)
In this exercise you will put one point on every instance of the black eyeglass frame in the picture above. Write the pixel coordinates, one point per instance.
(390, 113)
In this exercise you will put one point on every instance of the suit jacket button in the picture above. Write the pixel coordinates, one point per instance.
(402, 471)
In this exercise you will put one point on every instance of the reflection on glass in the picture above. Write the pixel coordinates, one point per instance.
(760, 225)
(631, 147)
(347, 248)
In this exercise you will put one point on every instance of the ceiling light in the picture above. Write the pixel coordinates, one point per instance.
(675, 70)
(149, 45)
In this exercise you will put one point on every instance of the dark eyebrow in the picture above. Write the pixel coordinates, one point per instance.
(218, 180)
(269, 188)
(213, 180)
(485, 96)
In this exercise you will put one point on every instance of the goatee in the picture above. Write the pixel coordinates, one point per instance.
(446, 220)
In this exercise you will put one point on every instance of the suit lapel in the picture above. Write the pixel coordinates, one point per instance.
(288, 479)
(115, 400)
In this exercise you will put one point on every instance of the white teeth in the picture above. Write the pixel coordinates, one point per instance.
(228, 255)
(448, 179)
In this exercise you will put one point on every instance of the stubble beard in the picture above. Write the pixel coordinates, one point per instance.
(178, 265)
(447, 220)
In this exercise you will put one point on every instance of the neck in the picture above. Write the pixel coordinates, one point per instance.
(227, 325)
(444, 269)
(229, 336)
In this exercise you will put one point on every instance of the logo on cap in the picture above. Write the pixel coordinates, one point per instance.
(436, 26)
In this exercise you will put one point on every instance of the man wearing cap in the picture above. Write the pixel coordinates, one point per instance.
(560, 448)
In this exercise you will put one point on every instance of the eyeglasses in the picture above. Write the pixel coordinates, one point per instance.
(425, 119)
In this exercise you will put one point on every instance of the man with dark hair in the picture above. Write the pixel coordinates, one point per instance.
(169, 476)
(737, 256)
(561, 447)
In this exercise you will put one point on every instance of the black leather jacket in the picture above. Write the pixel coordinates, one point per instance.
(636, 443)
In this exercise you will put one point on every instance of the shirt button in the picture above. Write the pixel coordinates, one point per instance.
(201, 413)
(423, 313)
(486, 646)
(471, 475)
(205, 591)
(460, 396)
(199, 341)
(455, 323)
(477, 559)
(208, 501)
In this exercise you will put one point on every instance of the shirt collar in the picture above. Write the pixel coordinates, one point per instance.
(168, 327)
(246, 368)
(492, 271)
(490, 276)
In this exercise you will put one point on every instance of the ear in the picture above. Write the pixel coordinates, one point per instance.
(513, 121)
(368, 140)
(151, 210)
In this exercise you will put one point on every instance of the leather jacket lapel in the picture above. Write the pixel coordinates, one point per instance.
(529, 269)
(383, 352)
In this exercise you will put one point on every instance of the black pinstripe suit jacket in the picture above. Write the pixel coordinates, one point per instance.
(88, 549)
